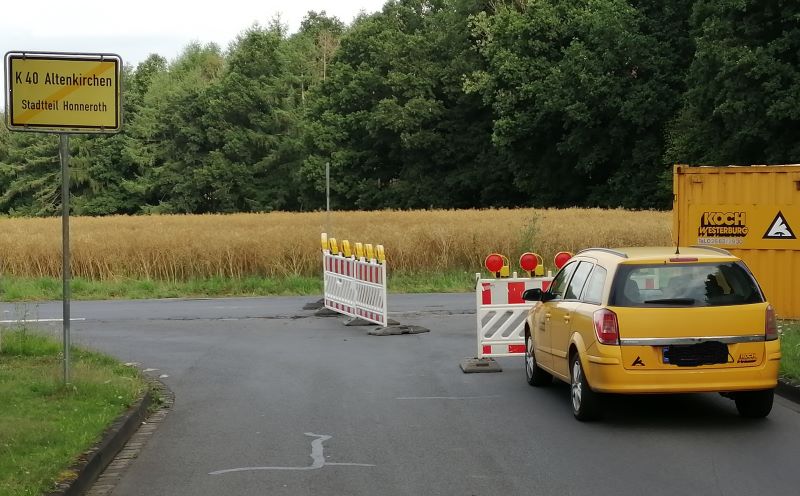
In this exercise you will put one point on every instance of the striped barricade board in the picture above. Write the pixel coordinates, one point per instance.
(355, 287)
(501, 314)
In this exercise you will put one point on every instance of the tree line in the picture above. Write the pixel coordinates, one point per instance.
(438, 104)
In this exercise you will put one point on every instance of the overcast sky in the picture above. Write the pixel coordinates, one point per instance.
(135, 29)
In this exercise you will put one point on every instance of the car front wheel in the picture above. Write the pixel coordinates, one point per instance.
(585, 402)
(754, 404)
(535, 376)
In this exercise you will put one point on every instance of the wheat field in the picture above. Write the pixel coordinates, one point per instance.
(182, 247)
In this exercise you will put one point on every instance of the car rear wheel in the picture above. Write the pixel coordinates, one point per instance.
(585, 402)
(754, 404)
(535, 376)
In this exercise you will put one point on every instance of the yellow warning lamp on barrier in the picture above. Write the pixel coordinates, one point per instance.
(359, 251)
(370, 252)
(325, 245)
(334, 246)
(381, 254)
(346, 249)
(498, 265)
(539, 272)
(531, 263)
(561, 259)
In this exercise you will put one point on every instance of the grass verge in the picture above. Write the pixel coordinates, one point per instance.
(47, 288)
(45, 425)
(790, 350)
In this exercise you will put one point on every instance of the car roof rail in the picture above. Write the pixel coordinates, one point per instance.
(713, 248)
(606, 250)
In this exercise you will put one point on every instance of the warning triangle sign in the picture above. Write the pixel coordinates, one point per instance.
(779, 229)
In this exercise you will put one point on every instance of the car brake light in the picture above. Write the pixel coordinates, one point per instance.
(771, 325)
(606, 327)
(683, 259)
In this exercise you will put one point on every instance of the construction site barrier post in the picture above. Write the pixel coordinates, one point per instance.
(355, 284)
(501, 311)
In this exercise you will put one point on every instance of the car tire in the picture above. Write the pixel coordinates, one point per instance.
(754, 404)
(585, 402)
(534, 375)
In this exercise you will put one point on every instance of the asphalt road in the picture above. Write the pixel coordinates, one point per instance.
(271, 400)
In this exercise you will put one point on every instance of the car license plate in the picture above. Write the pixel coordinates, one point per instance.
(692, 355)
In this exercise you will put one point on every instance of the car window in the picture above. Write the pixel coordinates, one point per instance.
(593, 291)
(559, 285)
(698, 284)
(578, 280)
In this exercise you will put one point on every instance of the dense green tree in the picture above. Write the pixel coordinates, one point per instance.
(310, 51)
(30, 175)
(393, 120)
(742, 105)
(4, 141)
(250, 124)
(307, 56)
(106, 170)
(438, 103)
(171, 129)
(580, 92)
(138, 85)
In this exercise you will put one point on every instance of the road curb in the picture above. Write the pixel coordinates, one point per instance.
(92, 463)
(789, 391)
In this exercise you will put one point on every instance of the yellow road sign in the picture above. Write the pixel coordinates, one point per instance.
(63, 92)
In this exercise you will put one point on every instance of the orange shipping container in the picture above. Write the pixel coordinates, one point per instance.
(754, 212)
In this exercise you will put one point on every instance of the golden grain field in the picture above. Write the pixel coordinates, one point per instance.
(180, 247)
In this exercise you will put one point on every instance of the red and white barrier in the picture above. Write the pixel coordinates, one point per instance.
(501, 314)
(355, 287)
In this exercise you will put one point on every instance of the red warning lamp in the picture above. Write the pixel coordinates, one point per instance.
(529, 261)
(494, 263)
(562, 258)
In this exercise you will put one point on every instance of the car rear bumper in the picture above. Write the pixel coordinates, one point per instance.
(607, 375)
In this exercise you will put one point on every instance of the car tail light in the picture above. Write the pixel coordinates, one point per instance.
(606, 326)
(771, 325)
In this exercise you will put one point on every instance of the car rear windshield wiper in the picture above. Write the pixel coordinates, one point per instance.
(672, 301)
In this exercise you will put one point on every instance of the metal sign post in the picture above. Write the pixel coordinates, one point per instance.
(65, 255)
(327, 197)
(55, 92)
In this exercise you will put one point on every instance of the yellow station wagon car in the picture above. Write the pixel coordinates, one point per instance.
(654, 320)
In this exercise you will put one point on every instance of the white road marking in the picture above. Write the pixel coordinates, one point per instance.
(317, 457)
(23, 321)
(447, 397)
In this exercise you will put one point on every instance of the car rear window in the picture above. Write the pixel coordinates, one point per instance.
(684, 285)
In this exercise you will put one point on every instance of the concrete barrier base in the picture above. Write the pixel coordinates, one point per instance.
(479, 365)
(326, 312)
(396, 330)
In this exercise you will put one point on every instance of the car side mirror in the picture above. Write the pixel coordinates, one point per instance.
(532, 294)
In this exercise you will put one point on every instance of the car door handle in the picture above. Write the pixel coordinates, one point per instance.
(547, 316)
(567, 319)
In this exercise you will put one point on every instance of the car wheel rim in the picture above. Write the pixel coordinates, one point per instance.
(576, 386)
(529, 357)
